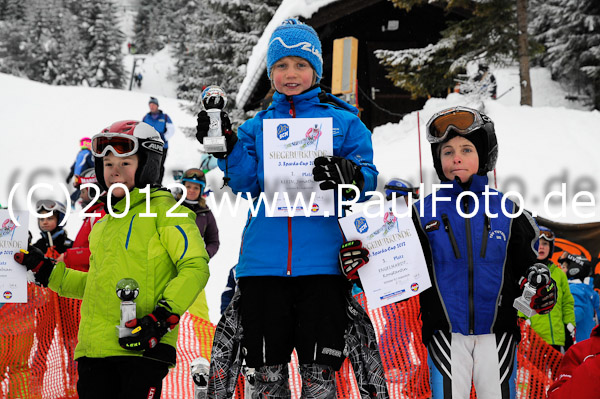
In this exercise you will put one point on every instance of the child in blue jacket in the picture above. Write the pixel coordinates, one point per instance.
(292, 294)
(587, 301)
(478, 262)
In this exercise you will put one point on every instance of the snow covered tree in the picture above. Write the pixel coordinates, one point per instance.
(570, 31)
(152, 25)
(490, 34)
(102, 42)
(216, 43)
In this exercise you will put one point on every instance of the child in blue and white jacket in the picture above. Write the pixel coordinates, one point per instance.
(587, 301)
(292, 291)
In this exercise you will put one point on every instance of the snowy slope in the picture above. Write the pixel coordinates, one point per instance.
(539, 146)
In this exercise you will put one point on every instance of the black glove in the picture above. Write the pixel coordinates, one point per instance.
(148, 330)
(333, 170)
(202, 126)
(33, 259)
(352, 257)
(546, 294)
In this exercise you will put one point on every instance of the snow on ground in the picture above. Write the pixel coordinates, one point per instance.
(540, 147)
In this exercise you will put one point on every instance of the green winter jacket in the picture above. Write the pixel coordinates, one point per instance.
(165, 255)
(551, 326)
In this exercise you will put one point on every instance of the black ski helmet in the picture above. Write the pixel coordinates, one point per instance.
(483, 138)
(578, 267)
(149, 150)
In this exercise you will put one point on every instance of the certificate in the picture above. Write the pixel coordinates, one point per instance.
(396, 268)
(290, 147)
(13, 276)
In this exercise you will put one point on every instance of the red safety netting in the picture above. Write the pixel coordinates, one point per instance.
(36, 340)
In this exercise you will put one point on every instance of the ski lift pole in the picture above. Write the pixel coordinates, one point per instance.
(135, 60)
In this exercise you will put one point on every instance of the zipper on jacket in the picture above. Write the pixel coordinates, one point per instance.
(471, 277)
(487, 227)
(448, 229)
(551, 329)
(289, 263)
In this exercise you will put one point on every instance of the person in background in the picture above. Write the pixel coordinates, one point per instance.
(195, 183)
(163, 124)
(587, 301)
(557, 327)
(229, 290)
(84, 161)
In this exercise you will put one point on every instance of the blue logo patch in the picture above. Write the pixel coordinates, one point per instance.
(361, 225)
(283, 131)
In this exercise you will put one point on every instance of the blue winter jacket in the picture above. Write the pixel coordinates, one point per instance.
(477, 261)
(298, 246)
(159, 123)
(587, 303)
(84, 161)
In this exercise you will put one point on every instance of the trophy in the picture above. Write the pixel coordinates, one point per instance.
(127, 290)
(200, 369)
(537, 275)
(213, 101)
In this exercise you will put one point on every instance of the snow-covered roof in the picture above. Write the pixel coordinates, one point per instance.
(257, 63)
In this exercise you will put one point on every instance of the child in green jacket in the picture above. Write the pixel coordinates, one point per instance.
(144, 237)
(554, 326)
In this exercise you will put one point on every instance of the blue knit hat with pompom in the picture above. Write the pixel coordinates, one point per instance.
(293, 38)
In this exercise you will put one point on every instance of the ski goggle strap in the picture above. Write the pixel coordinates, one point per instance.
(463, 120)
(48, 205)
(547, 235)
(191, 180)
(121, 145)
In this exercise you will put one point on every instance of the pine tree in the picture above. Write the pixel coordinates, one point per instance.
(152, 25)
(490, 34)
(570, 31)
(214, 48)
(102, 42)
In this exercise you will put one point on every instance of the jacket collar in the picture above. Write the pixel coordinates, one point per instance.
(477, 185)
(281, 102)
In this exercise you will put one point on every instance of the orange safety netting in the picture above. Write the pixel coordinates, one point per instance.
(36, 339)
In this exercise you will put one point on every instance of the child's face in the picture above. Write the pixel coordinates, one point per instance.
(120, 170)
(49, 223)
(563, 267)
(459, 159)
(292, 75)
(193, 190)
(543, 249)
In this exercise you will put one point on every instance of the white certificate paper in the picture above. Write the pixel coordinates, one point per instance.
(396, 268)
(290, 147)
(13, 276)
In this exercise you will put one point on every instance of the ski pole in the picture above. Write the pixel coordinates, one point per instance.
(512, 87)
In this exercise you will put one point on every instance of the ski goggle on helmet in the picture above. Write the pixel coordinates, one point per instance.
(194, 176)
(462, 120)
(547, 235)
(123, 139)
(50, 206)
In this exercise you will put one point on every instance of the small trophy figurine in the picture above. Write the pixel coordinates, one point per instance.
(213, 101)
(537, 275)
(127, 290)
